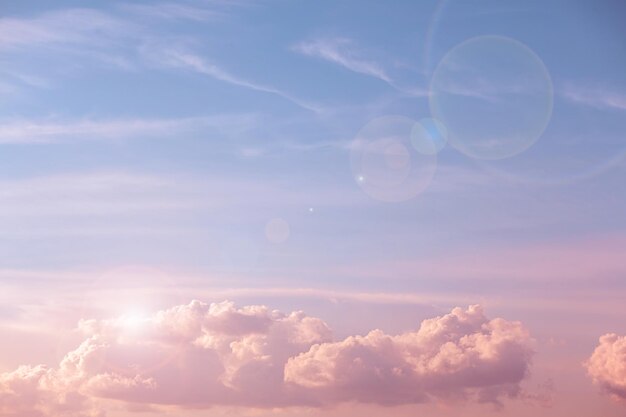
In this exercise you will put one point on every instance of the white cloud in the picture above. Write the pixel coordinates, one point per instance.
(341, 51)
(120, 43)
(172, 11)
(595, 97)
(24, 131)
(182, 59)
(82, 35)
(69, 27)
(344, 52)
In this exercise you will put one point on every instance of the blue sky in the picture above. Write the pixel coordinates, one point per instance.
(215, 141)
(242, 112)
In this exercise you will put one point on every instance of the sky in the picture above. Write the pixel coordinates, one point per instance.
(331, 208)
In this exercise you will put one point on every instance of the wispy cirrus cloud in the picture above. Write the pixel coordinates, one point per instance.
(90, 35)
(25, 131)
(342, 51)
(115, 193)
(199, 11)
(90, 26)
(182, 59)
(600, 98)
(173, 11)
(345, 53)
(94, 194)
(120, 42)
(64, 27)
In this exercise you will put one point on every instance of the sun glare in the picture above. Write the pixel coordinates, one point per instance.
(133, 320)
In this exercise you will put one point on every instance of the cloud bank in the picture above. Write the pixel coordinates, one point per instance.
(201, 355)
(607, 365)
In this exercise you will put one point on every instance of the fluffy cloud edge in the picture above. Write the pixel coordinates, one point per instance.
(607, 365)
(202, 355)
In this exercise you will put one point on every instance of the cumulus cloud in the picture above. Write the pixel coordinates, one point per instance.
(461, 354)
(201, 355)
(607, 365)
(40, 392)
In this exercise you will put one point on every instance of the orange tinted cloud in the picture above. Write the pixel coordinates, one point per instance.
(607, 365)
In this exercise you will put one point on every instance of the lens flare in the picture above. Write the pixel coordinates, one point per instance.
(494, 95)
(386, 165)
(429, 136)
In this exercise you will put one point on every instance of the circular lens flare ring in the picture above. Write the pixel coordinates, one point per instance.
(494, 95)
(385, 163)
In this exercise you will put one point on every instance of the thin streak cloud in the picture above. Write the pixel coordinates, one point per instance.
(107, 38)
(598, 98)
(22, 131)
(340, 51)
(343, 52)
(196, 63)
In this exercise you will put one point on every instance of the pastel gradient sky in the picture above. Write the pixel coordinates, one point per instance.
(329, 208)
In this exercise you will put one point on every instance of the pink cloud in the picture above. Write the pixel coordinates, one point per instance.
(36, 391)
(201, 355)
(459, 355)
(607, 365)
